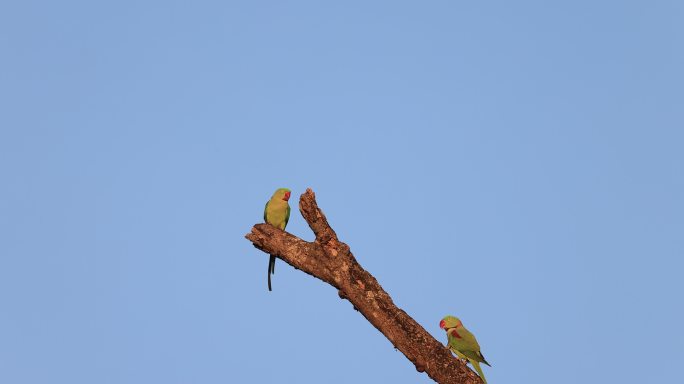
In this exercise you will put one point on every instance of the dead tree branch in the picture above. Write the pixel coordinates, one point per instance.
(331, 260)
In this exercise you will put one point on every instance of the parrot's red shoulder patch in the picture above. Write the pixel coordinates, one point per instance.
(455, 334)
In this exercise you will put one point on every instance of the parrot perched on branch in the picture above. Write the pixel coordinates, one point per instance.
(277, 213)
(463, 343)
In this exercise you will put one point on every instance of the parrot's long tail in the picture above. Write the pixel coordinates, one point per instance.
(271, 270)
(476, 365)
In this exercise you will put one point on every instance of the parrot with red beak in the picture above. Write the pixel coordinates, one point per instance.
(463, 343)
(277, 213)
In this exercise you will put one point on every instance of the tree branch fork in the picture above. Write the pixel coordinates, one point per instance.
(330, 260)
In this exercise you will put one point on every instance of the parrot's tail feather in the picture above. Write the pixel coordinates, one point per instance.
(271, 265)
(483, 359)
(476, 365)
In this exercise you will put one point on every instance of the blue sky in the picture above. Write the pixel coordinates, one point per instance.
(518, 164)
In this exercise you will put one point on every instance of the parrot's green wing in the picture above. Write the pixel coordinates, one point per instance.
(470, 346)
(265, 210)
(465, 342)
(457, 344)
(287, 216)
(468, 340)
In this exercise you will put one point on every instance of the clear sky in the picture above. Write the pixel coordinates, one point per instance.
(519, 164)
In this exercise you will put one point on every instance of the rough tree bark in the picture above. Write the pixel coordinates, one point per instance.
(331, 260)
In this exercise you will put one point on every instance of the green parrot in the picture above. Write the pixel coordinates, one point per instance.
(463, 343)
(277, 213)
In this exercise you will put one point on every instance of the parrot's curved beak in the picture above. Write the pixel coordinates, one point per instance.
(287, 196)
(442, 324)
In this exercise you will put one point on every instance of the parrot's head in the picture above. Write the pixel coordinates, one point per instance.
(282, 194)
(449, 322)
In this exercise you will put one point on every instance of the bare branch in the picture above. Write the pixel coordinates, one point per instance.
(331, 260)
(315, 218)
